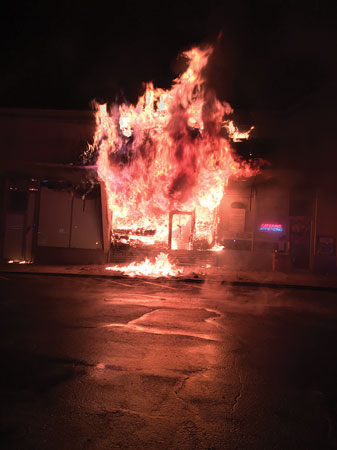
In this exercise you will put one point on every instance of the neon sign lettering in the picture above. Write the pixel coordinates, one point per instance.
(271, 227)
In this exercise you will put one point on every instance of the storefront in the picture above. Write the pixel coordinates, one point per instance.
(55, 215)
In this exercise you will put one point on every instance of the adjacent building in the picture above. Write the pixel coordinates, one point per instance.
(52, 210)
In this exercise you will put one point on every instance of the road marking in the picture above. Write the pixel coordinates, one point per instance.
(160, 285)
(121, 284)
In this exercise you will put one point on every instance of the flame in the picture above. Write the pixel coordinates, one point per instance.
(234, 133)
(18, 261)
(168, 152)
(217, 248)
(162, 267)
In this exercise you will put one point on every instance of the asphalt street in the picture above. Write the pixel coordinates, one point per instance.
(98, 364)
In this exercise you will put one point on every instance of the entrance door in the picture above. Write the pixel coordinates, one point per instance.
(19, 224)
(300, 229)
(181, 227)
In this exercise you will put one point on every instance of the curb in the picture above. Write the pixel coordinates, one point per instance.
(186, 280)
(279, 286)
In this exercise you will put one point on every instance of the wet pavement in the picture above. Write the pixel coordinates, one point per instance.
(93, 363)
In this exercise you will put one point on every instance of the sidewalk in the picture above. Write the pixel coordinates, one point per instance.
(191, 274)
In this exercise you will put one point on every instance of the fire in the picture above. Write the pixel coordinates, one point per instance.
(18, 261)
(234, 133)
(167, 153)
(217, 248)
(162, 267)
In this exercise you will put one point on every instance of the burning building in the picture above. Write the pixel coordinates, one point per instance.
(166, 161)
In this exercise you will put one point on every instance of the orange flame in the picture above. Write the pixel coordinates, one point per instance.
(234, 133)
(166, 153)
(162, 267)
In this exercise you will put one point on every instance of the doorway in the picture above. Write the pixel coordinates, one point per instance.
(19, 222)
(181, 229)
(299, 236)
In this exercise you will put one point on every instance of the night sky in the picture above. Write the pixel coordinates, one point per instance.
(63, 56)
(272, 56)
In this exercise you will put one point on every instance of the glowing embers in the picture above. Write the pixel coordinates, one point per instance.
(18, 261)
(169, 152)
(161, 267)
(139, 237)
(271, 227)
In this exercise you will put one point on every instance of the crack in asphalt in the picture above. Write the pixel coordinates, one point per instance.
(189, 371)
(130, 412)
(238, 397)
(187, 403)
(182, 385)
(236, 400)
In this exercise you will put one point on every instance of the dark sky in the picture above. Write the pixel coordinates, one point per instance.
(275, 59)
(64, 54)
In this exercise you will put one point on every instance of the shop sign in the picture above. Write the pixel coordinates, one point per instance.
(271, 227)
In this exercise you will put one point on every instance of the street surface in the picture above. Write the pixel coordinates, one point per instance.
(99, 364)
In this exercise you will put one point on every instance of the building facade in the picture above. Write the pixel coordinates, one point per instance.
(54, 211)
